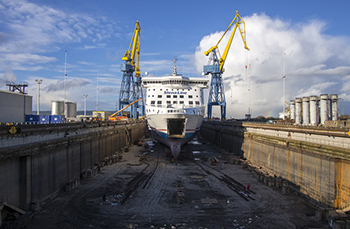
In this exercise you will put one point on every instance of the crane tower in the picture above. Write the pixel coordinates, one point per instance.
(130, 89)
(215, 67)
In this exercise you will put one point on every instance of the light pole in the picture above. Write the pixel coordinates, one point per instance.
(97, 94)
(38, 97)
(284, 85)
(85, 105)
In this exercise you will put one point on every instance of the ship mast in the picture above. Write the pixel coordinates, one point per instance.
(175, 67)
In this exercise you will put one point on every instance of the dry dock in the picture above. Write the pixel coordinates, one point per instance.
(146, 190)
(315, 160)
(93, 176)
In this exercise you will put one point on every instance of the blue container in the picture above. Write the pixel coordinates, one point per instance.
(56, 118)
(32, 119)
(44, 119)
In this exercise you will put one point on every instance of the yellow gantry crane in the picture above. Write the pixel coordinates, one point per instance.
(130, 89)
(216, 67)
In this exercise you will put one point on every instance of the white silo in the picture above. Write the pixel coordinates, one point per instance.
(313, 110)
(306, 111)
(57, 108)
(292, 109)
(324, 114)
(70, 110)
(334, 107)
(318, 111)
(298, 110)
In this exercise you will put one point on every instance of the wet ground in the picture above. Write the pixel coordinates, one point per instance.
(147, 190)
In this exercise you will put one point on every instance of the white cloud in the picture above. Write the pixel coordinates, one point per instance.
(316, 89)
(316, 63)
(85, 63)
(29, 28)
(52, 89)
(9, 76)
(70, 84)
(149, 54)
(29, 58)
(156, 66)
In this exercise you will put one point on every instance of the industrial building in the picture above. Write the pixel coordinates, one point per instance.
(14, 106)
(103, 115)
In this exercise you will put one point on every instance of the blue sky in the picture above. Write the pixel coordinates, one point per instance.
(311, 36)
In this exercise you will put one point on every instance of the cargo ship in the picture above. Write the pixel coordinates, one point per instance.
(174, 107)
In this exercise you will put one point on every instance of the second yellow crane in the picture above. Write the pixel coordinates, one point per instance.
(216, 68)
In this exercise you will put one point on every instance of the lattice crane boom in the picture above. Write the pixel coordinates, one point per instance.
(134, 49)
(237, 21)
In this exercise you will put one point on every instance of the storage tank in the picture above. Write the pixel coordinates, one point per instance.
(313, 110)
(298, 110)
(334, 107)
(306, 110)
(57, 108)
(324, 114)
(70, 110)
(292, 109)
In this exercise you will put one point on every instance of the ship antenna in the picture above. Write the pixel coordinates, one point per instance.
(174, 68)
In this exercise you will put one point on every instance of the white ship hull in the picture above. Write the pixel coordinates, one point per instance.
(174, 130)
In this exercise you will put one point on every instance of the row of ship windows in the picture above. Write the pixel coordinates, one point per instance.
(160, 89)
(174, 111)
(174, 96)
(175, 82)
(169, 111)
(174, 102)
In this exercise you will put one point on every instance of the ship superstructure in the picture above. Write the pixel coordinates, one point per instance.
(174, 107)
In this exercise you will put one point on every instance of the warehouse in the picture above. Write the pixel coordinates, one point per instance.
(14, 106)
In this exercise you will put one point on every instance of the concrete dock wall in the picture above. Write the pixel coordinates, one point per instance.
(315, 163)
(33, 173)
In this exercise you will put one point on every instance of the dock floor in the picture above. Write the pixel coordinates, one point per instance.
(147, 190)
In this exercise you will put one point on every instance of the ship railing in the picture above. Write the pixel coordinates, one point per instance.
(178, 106)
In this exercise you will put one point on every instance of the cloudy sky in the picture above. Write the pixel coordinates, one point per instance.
(310, 38)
